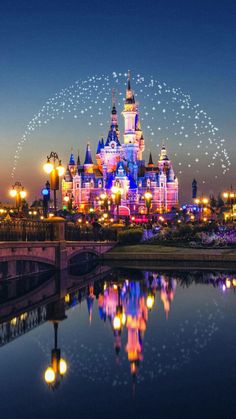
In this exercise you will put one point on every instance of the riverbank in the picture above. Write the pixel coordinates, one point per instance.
(162, 254)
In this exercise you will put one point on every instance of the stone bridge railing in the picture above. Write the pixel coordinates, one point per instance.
(55, 228)
(58, 242)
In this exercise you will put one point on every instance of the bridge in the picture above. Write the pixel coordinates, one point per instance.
(30, 247)
(22, 311)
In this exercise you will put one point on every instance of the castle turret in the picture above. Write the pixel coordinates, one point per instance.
(131, 145)
(194, 189)
(78, 160)
(72, 165)
(68, 176)
(150, 162)
(114, 118)
(88, 162)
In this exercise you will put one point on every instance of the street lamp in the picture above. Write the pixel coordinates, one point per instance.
(18, 192)
(68, 201)
(230, 196)
(54, 168)
(148, 201)
(58, 367)
(202, 202)
(117, 192)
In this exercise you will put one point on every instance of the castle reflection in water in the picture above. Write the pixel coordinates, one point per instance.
(124, 299)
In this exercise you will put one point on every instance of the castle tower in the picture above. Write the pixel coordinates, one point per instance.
(139, 135)
(114, 118)
(109, 154)
(194, 189)
(88, 162)
(130, 146)
(150, 162)
(72, 165)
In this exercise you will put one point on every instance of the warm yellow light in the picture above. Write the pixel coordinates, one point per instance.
(205, 219)
(22, 194)
(232, 195)
(192, 217)
(48, 167)
(234, 282)
(197, 201)
(150, 302)
(123, 319)
(23, 316)
(91, 210)
(116, 323)
(13, 193)
(103, 196)
(80, 221)
(105, 215)
(41, 217)
(114, 189)
(50, 215)
(66, 198)
(49, 375)
(67, 298)
(60, 170)
(35, 212)
(228, 283)
(225, 195)
(148, 196)
(205, 201)
(112, 220)
(179, 221)
(14, 321)
(62, 366)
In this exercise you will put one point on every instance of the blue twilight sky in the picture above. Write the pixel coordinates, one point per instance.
(46, 46)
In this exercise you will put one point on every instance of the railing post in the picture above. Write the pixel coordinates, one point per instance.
(58, 227)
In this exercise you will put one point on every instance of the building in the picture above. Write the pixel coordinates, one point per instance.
(120, 173)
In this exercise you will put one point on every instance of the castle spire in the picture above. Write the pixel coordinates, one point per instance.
(113, 98)
(78, 160)
(114, 119)
(150, 162)
(129, 92)
(88, 155)
(129, 78)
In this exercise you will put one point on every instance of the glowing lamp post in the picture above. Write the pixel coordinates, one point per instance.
(202, 203)
(54, 168)
(18, 192)
(58, 367)
(230, 197)
(148, 201)
(150, 301)
(117, 192)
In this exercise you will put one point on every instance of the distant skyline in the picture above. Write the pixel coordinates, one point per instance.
(47, 47)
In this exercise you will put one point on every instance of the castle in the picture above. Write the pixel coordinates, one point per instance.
(120, 175)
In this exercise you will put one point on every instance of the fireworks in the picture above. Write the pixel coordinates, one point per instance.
(167, 116)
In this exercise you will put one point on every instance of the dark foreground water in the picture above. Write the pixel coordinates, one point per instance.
(175, 359)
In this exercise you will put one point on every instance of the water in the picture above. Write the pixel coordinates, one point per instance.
(176, 360)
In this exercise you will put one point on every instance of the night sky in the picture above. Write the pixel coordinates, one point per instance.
(46, 46)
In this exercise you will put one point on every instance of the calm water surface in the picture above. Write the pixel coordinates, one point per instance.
(175, 359)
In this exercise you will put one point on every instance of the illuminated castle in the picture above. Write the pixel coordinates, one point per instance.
(120, 168)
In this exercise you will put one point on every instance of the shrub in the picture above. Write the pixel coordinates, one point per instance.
(130, 236)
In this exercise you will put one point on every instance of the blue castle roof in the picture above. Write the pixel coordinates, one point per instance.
(72, 160)
(112, 136)
(88, 156)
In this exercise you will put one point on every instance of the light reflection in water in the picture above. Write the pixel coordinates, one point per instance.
(124, 301)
